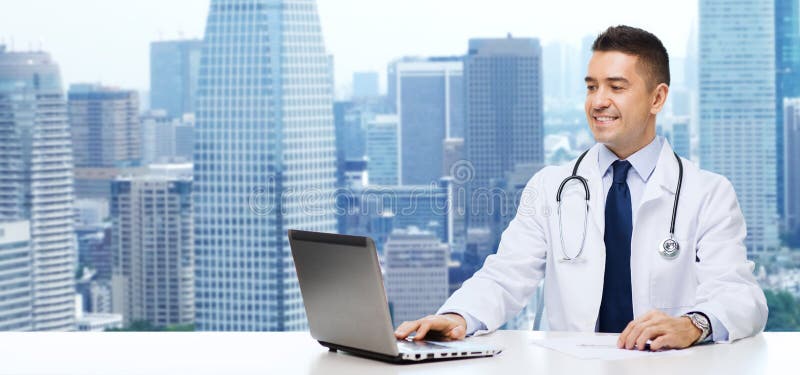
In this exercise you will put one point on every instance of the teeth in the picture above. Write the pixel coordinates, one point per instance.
(604, 119)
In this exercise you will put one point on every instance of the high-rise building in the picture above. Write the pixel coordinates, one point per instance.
(153, 249)
(174, 67)
(737, 108)
(557, 60)
(158, 136)
(457, 174)
(423, 206)
(787, 77)
(94, 249)
(36, 179)
(166, 139)
(351, 129)
(680, 101)
(504, 115)
(391, 80)
(104, 122)
(94, 293)
(16, 277)
(480, 244)
(365, 85)
(429, 102)
(340, 109)
(452, 154)
(416, 274)
(184, 138)
(791, 135)
(680, 139)
(264, 160)
(106, 136)
(382, 150)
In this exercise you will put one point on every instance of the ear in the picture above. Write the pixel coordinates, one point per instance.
(659, 98)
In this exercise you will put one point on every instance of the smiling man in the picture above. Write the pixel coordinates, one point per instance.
(658, 258)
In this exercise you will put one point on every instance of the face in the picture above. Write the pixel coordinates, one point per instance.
(620, 105)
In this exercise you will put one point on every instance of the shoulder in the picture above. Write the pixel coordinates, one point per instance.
(550, 175)
(708, 188)
(704, 179)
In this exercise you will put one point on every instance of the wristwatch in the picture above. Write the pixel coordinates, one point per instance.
(700, 321)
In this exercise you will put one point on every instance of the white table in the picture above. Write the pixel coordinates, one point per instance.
(297, 353)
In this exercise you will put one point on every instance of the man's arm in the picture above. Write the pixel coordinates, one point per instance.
(507, 280)
(727, 292)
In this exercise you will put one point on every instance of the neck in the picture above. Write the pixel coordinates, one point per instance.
(625, 151)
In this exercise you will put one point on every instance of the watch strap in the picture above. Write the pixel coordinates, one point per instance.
(701, 321)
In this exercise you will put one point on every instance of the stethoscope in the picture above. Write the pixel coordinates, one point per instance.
(669, 248)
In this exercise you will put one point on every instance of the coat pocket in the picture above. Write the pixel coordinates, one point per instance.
(673, 282)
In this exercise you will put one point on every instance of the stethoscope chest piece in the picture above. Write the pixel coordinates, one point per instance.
(669, 248)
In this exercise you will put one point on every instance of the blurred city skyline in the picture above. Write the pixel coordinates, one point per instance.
(135, 129)
(350, 28)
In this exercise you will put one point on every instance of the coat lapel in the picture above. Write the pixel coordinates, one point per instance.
(664, 179)
(590, 170)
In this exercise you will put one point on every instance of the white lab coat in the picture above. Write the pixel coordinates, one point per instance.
(709, 224)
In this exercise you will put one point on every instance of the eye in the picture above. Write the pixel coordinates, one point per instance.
(590, 87)
(616, 88)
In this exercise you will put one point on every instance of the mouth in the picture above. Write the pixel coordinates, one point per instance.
(605, 120)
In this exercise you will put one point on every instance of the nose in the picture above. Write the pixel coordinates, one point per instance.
(599, 99)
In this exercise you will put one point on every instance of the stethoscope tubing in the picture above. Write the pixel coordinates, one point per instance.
(585, 184)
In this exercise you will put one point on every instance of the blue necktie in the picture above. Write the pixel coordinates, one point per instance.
(616, 308)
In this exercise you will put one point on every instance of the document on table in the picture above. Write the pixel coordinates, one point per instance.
(599, 347)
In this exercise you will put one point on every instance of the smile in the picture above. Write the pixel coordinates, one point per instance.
(605, 119)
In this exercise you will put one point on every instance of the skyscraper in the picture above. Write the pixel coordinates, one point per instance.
(787, 76)
(184, 138)
(16, 277)
(454, 169)
(166, 139)
(174, 67)
(105, 126)
(558, 60)
(737, 108)
(429, 104)
(791, 135)
(264, 160)
(421, 206)
(153, 248)
(504, 122)
(36, 179)
(158, 136)
(416, 274)
(680, 137)
(106, 135)
(382, 150)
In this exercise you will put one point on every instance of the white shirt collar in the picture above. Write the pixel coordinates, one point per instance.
(643, 161)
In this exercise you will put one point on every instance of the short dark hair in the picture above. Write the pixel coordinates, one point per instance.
(637, 42)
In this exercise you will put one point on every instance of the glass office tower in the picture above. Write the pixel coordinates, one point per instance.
(737, 108)
(174, 65)
(36, 179)
(787, 77)
(264, 160)
(504, 115)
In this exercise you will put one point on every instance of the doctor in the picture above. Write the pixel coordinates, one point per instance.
(622, 277)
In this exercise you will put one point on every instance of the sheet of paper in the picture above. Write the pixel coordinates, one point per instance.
(599, 347)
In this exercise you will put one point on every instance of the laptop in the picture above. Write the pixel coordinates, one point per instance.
(346, 305)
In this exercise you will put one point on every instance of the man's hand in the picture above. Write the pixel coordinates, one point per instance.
(448, 326)
(666, 332)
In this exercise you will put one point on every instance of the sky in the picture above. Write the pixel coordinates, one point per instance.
(107, 41)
